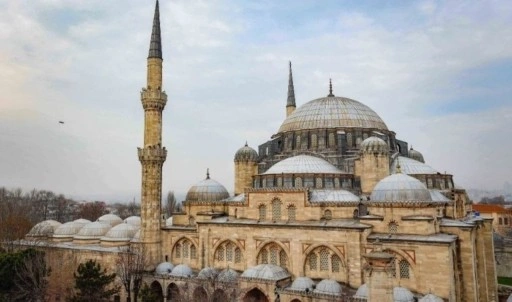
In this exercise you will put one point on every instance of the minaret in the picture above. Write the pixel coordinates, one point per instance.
(290, 102)
(152, 155)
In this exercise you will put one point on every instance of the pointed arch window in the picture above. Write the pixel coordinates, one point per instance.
(273, 253)
(276, 210)
(262, 212)
(291, 213)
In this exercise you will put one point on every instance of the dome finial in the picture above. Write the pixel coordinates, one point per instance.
(246, 144)
(398, 168)
(207, 173)
(330, 89)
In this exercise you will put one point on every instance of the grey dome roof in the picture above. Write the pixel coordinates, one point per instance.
(438, 196)
(400, 187)
(333, 196)
(111, 219)
(303, 164)
(207, 190)
(432, 298)
(373, 144)
(181, 270)
(328, 287)
(362, 292)
(302, 284)
(44, 228)
(246, 153)
(133, 220)
(82, 221)
(208, 273)
(332, 112)
(164, 268)
(121, 232)
(402, 294)
(411, 166)
(228, 275)
(416, 155)
(93, 230)
(69, 229)
(266, 271)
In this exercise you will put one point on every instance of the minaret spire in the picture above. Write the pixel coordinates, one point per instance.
(290, 102)
(330, 89)
(155, 45)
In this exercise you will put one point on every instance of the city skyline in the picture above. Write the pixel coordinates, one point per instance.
(437, 74)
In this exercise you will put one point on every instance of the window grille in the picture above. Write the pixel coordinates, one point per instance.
(273, 255)
(314, 141)
(393, 227)
(238, 255)
(283, 259)
(349, 139)
(393, 268)
(178, 250)
(291, 213)
(313, 262)
(319, 183)
(324, 260)
(263, 212)
(193, 252)
(328, 214)
(276, 210)
(335, 263)
(185, 249)
(298, 182)
(220, 253)
(332, 142)
(404, 269)
(229, 252)
(264, 256)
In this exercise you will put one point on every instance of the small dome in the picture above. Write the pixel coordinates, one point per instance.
(181, 270)
(400, 187)
(266, 271)
(328, 287)
(432, 298)
(410, 166)
(402, 294)
(82, 221)
(374, 145)
(416, 155)
(164, 268)
(69, 229)
(302, 284)
(332, 112)
(362, 292)
(44, 228)
(93, 230)
(121, 232)
(208, 273)
(303, 164)
(111, 219)
(228, 275)
(246, 153)
(207, 190)
(133, 220)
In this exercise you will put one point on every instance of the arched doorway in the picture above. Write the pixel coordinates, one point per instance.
(220, 296)
(156, 290)
(296, 300)
(173, 293)
(255, 295)
(200, 295)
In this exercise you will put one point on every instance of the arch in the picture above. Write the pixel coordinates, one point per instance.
(200, 294)
(262, 211)
(184, 251)
(219, 296)
(324, 262)
(255, 295)
(173, 292)
(402, 264)
(228, 253)
(273, 253)
(157, 290)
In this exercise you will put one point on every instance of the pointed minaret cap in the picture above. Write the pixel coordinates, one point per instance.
(207, 173)
(155, 46)
(291, 91)
(330, 89)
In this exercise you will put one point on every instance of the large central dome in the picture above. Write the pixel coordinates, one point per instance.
(332, 112)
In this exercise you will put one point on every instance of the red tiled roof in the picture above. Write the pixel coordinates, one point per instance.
(490, 208)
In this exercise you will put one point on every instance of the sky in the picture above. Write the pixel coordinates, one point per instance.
(439, 74)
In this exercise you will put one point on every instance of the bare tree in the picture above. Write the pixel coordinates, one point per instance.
(130, 269)
(91, 210)
(171, 205)
(31, 280)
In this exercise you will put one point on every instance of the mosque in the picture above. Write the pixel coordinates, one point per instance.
(333, 207)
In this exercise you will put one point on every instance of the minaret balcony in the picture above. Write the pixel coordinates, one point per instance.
(153, 99)
(154, 153)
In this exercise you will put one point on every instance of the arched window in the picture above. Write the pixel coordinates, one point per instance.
(328, 214)
(177, 250)
(229, 251)
(324, 260)
(184, 251)
(297, 142)
(186, 247)
(193, 252)
(393, 227)
(314, 141)
(228, 254)
(291, 213)
(263, 257)
(321, 262)
(283, 258)
(404, 269)
(273, 253)
(336, 263)
(332, 140)
(298, 182)
(220, 253)
(262, 212)
(276, 210)
(238, 255)
(401, 267)
(313, 262)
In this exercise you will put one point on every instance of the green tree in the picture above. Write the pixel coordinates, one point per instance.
(93, 284)
(146, 294)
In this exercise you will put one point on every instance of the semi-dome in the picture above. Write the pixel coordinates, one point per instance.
(400, 187)
(328, 287)
(44, 228)
(305, 164)
(133, 220)
(111, 219)
(207, 190)
(93, 230)
(416, 155)
(302, 284)
(410, 166)
(121, 232)
(69, 229)
(332, 112)
(362, 292)
(208, 273)
(402, 294)
(181, 270)
(228, 275)
(432, 298)
(164, 268)
(373, 144)
(266, 271)
(246, 153)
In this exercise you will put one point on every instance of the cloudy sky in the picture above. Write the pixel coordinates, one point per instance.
(439, 73)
